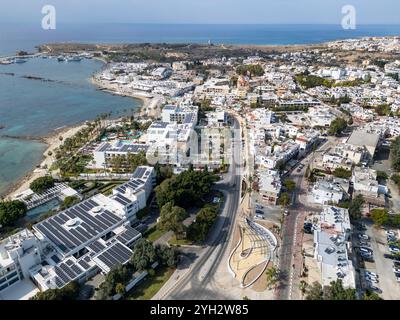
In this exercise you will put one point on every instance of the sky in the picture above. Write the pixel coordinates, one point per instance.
(202, 11)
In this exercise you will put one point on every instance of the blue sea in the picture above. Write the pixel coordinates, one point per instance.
(27, 36)
(32, 107)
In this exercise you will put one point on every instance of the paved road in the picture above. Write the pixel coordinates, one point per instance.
(290, 243)
(194, 284)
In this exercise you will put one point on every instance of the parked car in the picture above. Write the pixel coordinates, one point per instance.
(390, 233)
(286, 212)
(363, 236)
(393, 249)
(396, 270)
(259, 212)
(365, 250)
(372, 279)
(364, 244)
(259, 216)
(374, 288)
(371, 274)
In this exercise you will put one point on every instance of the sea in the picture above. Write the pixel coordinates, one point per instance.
(31, 107)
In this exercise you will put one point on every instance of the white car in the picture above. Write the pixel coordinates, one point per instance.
(365, 250)
(396, 270)
(394, 250)
(371, 279)
(363, 236)
(390, 233)
(371, 274)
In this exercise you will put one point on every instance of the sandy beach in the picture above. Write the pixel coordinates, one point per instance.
(150, 109)
(53, 142)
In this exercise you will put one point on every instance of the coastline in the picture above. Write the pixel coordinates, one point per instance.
(148, 109)
(52, 141)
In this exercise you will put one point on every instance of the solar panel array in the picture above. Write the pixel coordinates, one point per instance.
(128, 236)
(135, 185)
(121, 199)
(115, 255)
(91, 226)
(96, 247)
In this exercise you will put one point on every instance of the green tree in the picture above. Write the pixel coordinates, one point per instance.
(381, 176)
(167, 256)
(117, 275)
(355, 207)
(199, 229)
(144, 255)
(289, 184)
(171, 219)
(187, 189)
(284, 199)
(11, 211)
(69, 202)
(336, 291)
(370, 295)
(41, 184)
(69, 292)
(342, 173)
(379, 216)
(120, 289)
(280, 165)
(273, 277)
(315, 292)
(337, 126)
(303, 287)
(395, 156)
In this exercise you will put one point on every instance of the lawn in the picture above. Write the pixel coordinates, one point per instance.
(179, 242)
(146, 289)
(153, 234)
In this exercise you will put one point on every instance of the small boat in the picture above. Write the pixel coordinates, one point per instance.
(20, 60)
(74, 59)
(61, 58)
(6, 61)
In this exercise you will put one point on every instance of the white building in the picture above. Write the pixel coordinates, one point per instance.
(269, 185)
(90, 237)
(332, 247)
(108, 150)
(327, 192)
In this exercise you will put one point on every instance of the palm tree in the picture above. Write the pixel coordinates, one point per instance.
(273, 275)
(303, 287)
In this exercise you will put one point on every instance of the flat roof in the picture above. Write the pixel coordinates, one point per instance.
(363, 138)
(89, 225)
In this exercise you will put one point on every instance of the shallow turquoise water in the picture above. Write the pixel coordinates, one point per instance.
(33, 108)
